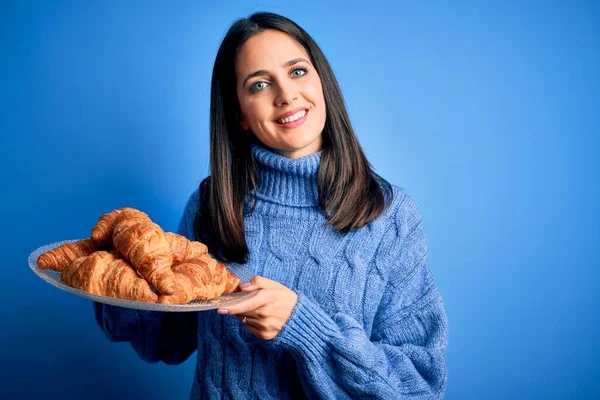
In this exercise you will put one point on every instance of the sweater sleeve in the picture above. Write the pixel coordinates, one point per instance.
(404, 355)
(170, 337)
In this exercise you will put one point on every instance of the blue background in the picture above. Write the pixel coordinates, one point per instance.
(487, 114)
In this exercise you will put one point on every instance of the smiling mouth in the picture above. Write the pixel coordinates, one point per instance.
(288, 120)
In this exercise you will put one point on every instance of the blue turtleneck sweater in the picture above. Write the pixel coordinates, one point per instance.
(369, 321)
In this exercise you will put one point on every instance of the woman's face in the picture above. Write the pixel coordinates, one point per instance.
(280, 94)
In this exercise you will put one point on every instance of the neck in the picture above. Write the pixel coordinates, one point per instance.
(287, 181)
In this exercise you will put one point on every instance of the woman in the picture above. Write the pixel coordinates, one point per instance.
(346, 304)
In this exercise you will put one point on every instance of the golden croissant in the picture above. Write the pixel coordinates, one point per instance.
(183, 248)
(102, 274)
(127, 254)
(102, 232)
(233, 282)
(145, 245)
(62, 256)
(203, 278)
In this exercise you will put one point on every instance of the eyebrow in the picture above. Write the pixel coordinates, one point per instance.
(263, 72)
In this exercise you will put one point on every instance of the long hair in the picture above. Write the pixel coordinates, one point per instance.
(351, 195)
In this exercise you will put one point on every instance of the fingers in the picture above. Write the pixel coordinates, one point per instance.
(248, 321)
(240, 317)
(257, 327)
(244, 319)
(245, 306)
(265, 313)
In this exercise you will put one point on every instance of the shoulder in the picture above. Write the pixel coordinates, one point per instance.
(403, 210)
(403, 241)
(398, 226)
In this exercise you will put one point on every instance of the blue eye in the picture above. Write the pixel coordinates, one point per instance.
(298, 72)
(257, 86)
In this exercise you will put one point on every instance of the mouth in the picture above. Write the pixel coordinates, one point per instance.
(294, 120)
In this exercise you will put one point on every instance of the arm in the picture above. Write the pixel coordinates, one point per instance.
(404, 356)
(170, 337)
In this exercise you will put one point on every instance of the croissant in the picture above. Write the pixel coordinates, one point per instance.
(103, 230)
(139, 254)
(233, 282)
(145, 245)
(102, 274)
(183, 248)
(202, 278)
(62, 256)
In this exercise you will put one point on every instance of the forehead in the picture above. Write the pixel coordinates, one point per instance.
(267, 50)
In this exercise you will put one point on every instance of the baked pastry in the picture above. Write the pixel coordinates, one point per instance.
(183, 248)
(145, 245)
(233, 282)
(202, 278)
(62, 256)
(102, 274)
(130, 257)
(102, 232)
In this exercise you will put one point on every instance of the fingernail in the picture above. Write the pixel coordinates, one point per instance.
(223, 311)
(244, 284)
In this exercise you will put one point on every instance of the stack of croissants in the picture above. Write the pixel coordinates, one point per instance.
(128, 255)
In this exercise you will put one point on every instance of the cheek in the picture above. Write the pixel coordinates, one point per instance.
(316, 94)
(252, 111)
(319, 101)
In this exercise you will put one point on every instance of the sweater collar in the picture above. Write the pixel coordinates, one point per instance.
(281, 180)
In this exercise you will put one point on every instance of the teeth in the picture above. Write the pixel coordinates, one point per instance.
(294, 117)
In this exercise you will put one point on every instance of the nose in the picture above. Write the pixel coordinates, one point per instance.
(286, 94)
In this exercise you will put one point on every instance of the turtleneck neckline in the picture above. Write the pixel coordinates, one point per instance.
(286, 181)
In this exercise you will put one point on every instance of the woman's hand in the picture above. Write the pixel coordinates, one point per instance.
(266, 313)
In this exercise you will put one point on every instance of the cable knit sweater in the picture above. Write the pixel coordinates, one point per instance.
(369, 321)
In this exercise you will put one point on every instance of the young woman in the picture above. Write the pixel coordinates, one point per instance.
(346, 305)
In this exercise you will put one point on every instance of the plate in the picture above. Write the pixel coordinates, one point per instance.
(226, 299)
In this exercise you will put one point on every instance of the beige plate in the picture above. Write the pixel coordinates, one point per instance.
(53, 277)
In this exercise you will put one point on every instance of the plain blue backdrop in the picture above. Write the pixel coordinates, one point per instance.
(488, 114)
